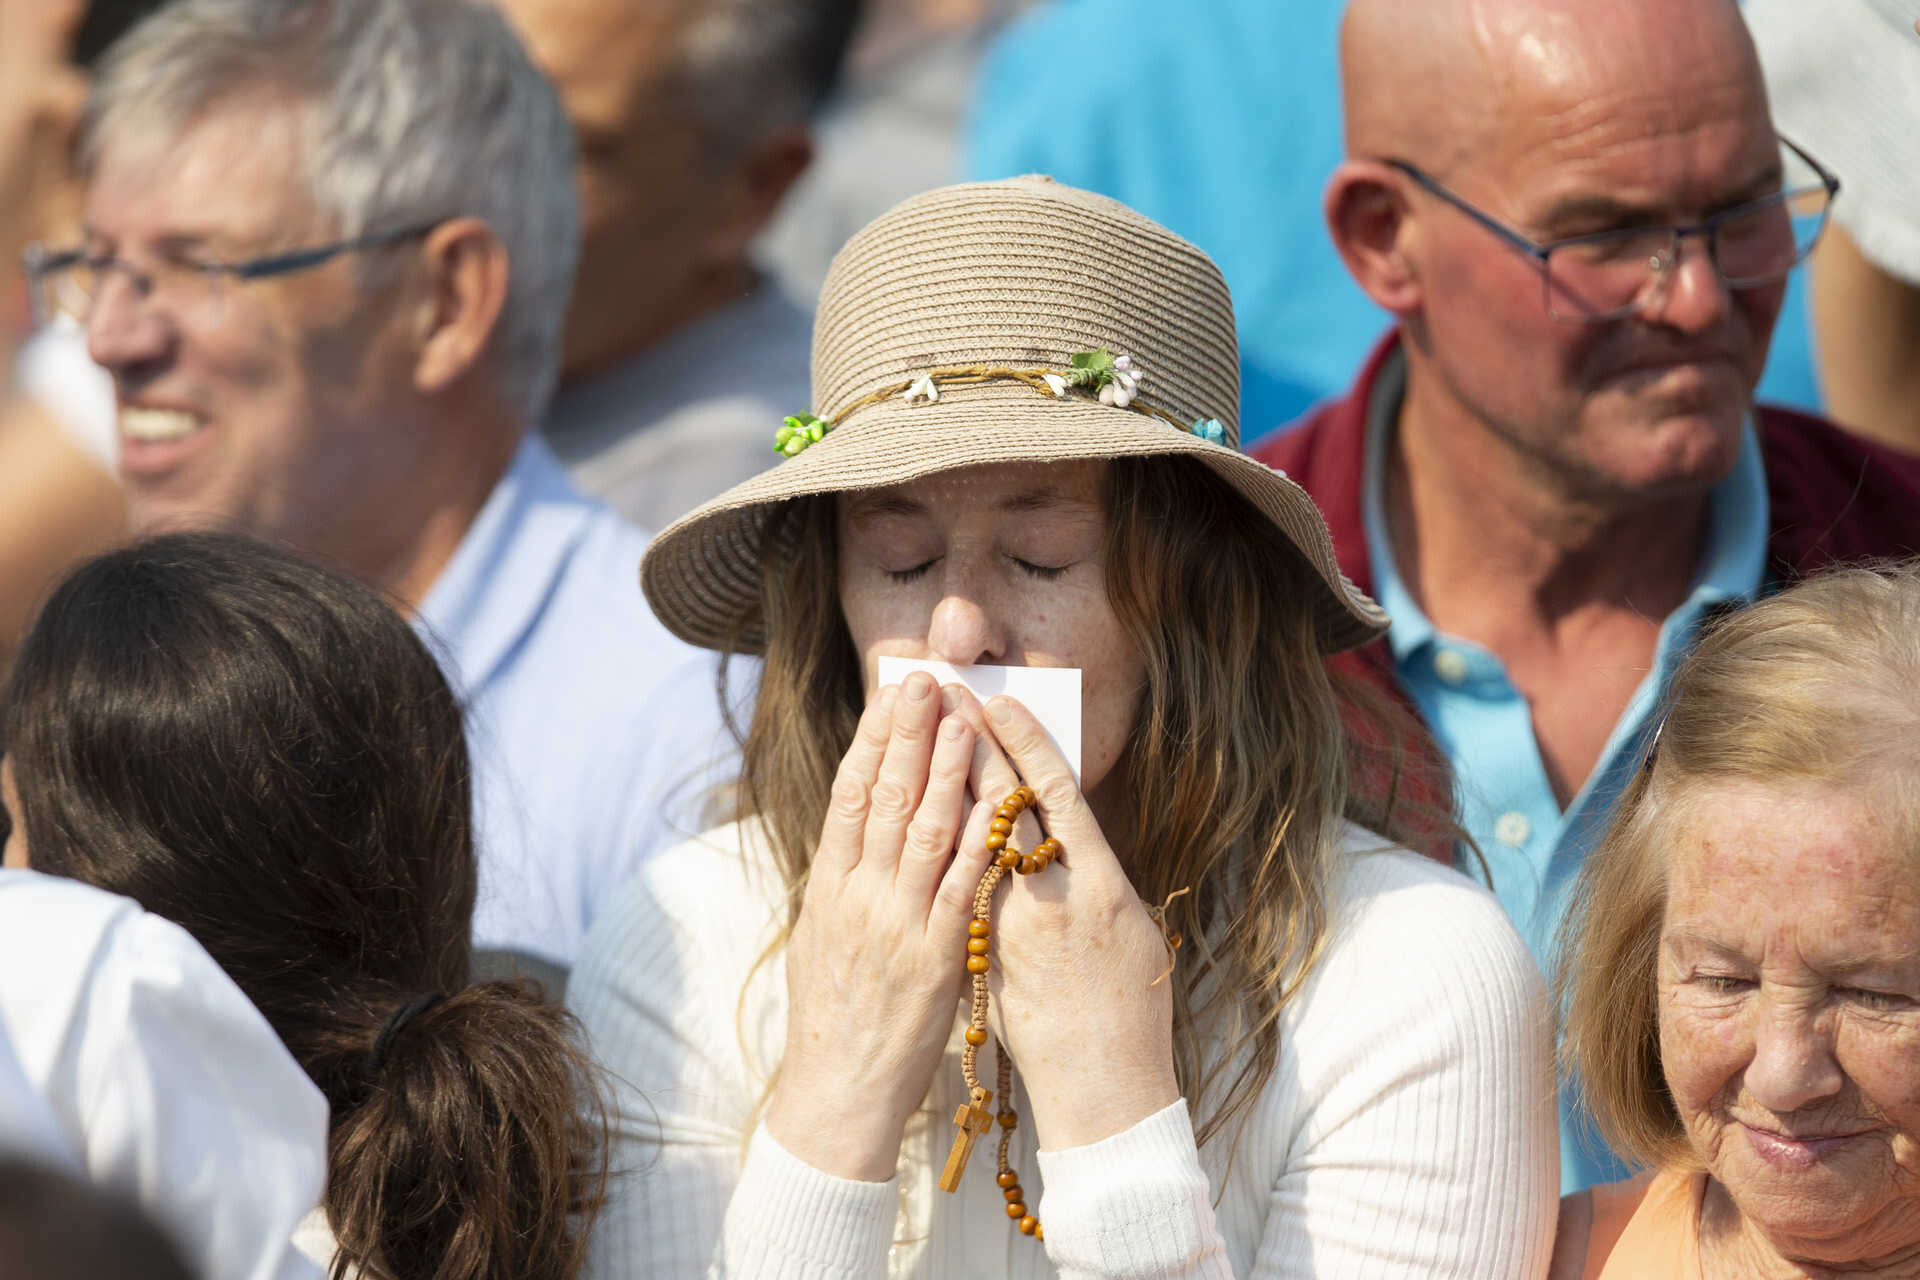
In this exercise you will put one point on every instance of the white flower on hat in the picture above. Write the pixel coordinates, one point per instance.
(1055, 383)
(923, 390)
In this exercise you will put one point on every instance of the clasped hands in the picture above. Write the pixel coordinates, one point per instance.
(876, 963)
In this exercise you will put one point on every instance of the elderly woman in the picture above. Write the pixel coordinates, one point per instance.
(1025, 456)
(1744, 973)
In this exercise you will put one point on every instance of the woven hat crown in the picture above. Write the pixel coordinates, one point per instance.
(1025, 273)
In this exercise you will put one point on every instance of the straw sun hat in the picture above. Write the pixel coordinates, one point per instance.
(987, 292)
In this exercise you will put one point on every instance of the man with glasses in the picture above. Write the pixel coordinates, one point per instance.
(1552, 473)
(326, 256)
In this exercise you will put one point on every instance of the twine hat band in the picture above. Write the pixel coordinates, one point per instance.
(1020, 321)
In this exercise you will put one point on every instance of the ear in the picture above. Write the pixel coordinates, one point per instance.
(764, 175)
(467, 271)
(1370, 220)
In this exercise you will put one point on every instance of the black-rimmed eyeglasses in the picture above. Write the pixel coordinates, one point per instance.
(68, 282)
(1609, 274)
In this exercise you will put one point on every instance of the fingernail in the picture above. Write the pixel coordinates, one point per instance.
(949, 700)
(1000, 711)
(919, 685)
(888, 696)
(952, 730)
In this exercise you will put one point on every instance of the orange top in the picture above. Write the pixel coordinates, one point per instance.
(1647, 1228)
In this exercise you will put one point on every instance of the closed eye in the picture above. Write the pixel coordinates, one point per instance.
(1045, 572)
(1721, 983)
(1875, 999)
(914, 573)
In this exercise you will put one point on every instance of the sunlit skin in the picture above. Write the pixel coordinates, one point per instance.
(1001, 565)
(1789, 1003)
(1546, 489)
(666, 220)
(309, 393)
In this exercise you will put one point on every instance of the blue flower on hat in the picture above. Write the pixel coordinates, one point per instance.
(1210, 430)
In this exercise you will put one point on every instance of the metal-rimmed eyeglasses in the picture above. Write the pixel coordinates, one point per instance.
(67, 282)
(1608, 274)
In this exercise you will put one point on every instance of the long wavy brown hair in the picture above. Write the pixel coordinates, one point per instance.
(1247, 758)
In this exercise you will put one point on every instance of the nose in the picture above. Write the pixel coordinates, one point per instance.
(966, 626)
(1793, 1058)
(1690, 295)
(124, 330)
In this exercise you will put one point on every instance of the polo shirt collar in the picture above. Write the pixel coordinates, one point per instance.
(501, 576)
(1733, 557)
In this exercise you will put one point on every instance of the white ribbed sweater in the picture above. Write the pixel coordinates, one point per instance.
(1408, 1129)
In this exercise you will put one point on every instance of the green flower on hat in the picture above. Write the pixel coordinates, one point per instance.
(797, 431)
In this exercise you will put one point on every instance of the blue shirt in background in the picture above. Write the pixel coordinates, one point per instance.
(593, 731)
(1532, 849)
(1221, 119)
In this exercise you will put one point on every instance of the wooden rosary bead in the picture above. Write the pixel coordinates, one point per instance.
(1029, 1225)
(1016, 1210)
(1026, 796)
(1014, 1194)
(1027, 866)
(1000, 827)
(1007, 813)
(976, 964)
(1008, 1119)
(1008, 1179)
(977, 928)
(976, 1036)
(1008, 861)
(996, 841)
(977, 946)
(1039, 1232)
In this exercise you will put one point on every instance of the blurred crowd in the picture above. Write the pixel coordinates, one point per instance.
(462, 463)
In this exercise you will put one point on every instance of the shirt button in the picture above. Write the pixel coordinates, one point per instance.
(1512, 829)
(1451, 666)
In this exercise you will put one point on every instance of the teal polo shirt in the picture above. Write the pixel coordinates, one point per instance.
(1532, 848)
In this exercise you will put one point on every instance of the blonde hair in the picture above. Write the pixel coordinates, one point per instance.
(1242, 764)
(1820, 684)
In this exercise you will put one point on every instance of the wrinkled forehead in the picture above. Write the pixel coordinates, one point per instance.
(230, 170)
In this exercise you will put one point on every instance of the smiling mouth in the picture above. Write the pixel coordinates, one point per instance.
(1786, 1151)
(150, 426)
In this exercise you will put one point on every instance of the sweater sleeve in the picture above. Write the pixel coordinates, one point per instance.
(1423, 1140)
(789, 1221)
(1133, 1205)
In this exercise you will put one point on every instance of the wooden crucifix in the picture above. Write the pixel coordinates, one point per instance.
(974, 1122)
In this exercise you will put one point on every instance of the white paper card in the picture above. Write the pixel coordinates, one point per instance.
(1051, 693)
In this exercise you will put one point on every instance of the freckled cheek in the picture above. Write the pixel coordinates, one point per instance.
(1702, 1057)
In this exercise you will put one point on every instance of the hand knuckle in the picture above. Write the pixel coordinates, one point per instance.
(889, 799)
(924, 839)
(1056, 794)
(849, 796)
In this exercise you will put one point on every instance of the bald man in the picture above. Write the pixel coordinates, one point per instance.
(1552, 473)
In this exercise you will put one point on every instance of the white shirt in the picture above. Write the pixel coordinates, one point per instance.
(1407, 1130)
(148, 1072)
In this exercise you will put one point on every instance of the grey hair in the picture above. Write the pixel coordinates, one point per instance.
(414, 111)
(748, 67)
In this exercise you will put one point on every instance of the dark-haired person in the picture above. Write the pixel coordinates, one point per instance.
(264, 752)
(128, 1059)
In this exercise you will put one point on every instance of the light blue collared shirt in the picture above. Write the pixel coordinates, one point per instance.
(593, 731)
(1534, 850)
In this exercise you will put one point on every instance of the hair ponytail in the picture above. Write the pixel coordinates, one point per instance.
(475, 1149)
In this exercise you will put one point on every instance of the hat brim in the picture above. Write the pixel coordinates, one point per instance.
(702, 573)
